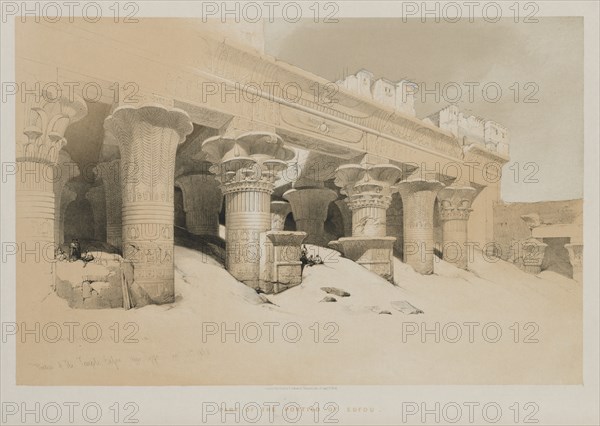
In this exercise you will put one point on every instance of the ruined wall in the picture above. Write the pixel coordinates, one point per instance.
(561, 216)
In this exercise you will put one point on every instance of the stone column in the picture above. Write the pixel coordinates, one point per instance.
(576, 258)
(369, 191)
(202, 202)
(454, 209)
(418, 198)
(41, 124)
(309, 207)
(67, 170)
(67, 197)
(97, 199)
(247, 166)
(148, 137)
(346, 216)
(279, 212)
(395, 225)
(109, 172)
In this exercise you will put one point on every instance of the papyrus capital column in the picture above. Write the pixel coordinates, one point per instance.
(418, 198)
(454, 204)
(369, 191)
(202, 202)
(41, 122)
(247, 166)
(148, 137)
(369, 194)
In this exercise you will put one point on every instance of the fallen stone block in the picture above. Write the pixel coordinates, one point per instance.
(336, 291)
(329, 299)
(405, 307)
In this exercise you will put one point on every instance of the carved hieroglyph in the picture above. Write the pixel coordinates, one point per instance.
(148, 137)
(418, 198)
(109, 172)
(41, 124)
(247, 166)
(202, 201)
(454, 209)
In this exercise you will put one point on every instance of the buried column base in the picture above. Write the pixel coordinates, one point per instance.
(373, 253)
(280, 265)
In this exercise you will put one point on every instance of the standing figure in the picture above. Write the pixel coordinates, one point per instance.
(303, 258)
(77, 249)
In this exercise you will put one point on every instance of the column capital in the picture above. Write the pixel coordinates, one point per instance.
(310, 207)
(575, 254)
(411, 186)
(279, 211)
(532, 253)
(250, 161)
(576, 258)
(455, 202)
(303, 200)
(532, 220)
(369, 188)
(357, 179)
(123, 124)
(45, 121)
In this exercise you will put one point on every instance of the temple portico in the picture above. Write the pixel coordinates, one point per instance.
(359, 162)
